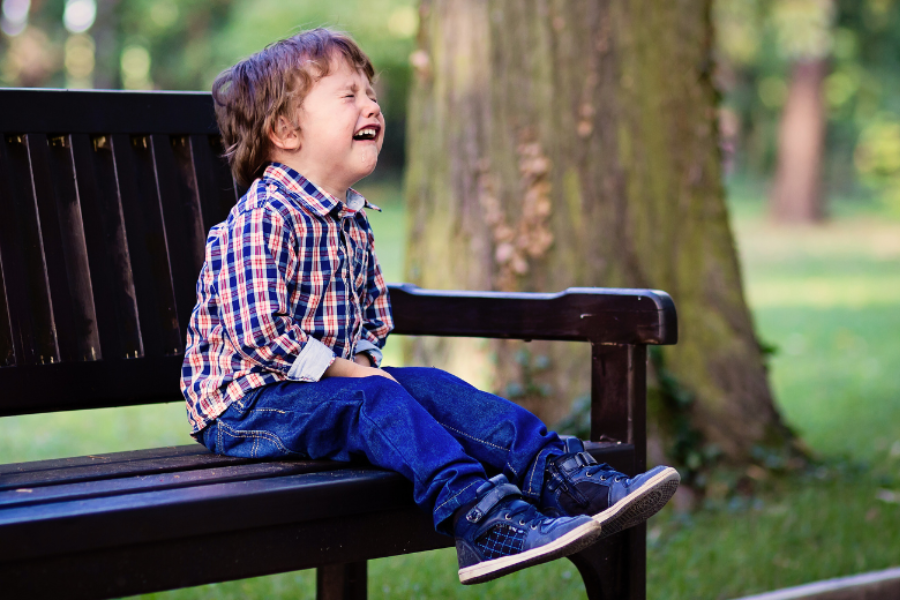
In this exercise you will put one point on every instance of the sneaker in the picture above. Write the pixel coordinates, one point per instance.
(499, 533)
(576, 484)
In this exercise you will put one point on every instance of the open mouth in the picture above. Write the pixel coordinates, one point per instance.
(366, 133)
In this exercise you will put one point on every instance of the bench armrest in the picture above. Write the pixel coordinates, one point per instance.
(599, 315)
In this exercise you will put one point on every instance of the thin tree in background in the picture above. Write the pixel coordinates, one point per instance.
(805, 36)
(555, 143)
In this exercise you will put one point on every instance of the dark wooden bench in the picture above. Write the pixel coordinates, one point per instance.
(105, 201)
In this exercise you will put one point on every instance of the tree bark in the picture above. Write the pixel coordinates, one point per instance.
(797, 193)
(558, 143)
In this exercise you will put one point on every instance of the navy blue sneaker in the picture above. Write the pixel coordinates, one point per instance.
(576, 484)
(499, 533)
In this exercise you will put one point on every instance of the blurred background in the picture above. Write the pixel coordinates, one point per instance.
(809, 129)
(828, 68)
(184, 44)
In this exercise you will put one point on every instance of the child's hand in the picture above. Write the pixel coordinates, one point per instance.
(341, 367)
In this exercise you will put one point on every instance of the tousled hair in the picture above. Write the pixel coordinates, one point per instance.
(254, 94)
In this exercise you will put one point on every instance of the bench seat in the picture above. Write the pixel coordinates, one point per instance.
(142, 513)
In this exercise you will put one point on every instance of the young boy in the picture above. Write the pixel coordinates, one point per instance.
(284, 345)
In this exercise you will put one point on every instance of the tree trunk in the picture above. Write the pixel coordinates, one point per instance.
(796, 195)
(558, 143)
(106, 33)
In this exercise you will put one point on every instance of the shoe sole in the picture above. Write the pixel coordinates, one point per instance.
(575, 541)
(641, 504)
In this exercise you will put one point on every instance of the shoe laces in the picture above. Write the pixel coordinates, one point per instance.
(522, 513)
(607, 472)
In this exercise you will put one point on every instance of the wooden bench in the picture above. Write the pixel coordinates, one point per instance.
(105, 201)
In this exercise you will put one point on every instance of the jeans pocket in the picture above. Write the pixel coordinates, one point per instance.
(257, 443)
(246, 402)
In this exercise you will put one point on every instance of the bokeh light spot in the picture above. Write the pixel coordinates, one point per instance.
(79, 15)
(79, 60)
(164, 13)
(135, 63)
(403, 22)
(15, 16)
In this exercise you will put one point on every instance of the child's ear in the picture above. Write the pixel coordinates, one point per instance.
(284, 135)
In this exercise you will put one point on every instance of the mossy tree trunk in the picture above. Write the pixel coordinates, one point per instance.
(558, 143)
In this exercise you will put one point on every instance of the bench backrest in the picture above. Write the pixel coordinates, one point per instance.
(105, 201)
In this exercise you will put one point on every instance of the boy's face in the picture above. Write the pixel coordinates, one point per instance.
(341, 129)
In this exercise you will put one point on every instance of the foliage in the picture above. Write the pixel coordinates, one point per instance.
(758, 40)
(184, 44)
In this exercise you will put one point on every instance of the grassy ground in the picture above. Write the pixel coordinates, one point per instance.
(828, 298)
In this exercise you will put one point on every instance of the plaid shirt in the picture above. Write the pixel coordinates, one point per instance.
(290, 281)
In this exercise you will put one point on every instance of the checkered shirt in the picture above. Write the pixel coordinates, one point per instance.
(290, 282)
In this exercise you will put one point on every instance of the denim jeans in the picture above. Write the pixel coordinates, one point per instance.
(438, 431)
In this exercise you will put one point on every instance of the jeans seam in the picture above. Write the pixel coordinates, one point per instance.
(531, 478)
(534, 468)
(255, 435)
(473, 438)
(456, 495)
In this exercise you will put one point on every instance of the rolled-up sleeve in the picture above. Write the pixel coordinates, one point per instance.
(367, 347)
(259, 261)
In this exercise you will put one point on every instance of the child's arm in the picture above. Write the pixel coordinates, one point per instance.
(341, 367)
(258, 258)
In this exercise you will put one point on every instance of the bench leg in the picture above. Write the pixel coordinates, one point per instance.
(615, 568)
(342, 582)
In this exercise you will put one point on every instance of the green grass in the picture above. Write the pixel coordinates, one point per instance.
(828, 298)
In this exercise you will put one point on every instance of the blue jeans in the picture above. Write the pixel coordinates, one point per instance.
(435, 429)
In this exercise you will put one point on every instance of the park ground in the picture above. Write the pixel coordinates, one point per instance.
(826, 298)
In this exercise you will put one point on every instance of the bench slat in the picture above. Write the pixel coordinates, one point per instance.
(108, 458)
(98, 384)
(246, 553)
(144, 517)
(64, 247)
(53, 242)
(160, 328)
(216, 187)
(111, 280)
(7, 350)
(13, 498)
(188, 198)
(104, 112)
(102, 468)
(22, 253)
(183, 219)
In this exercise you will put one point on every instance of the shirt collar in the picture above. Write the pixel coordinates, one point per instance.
(316, 199)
